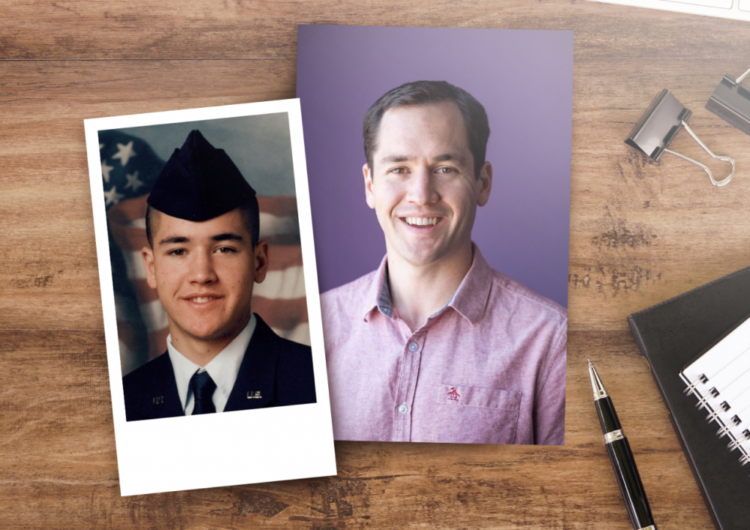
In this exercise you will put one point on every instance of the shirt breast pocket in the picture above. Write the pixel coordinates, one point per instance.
(475, 414)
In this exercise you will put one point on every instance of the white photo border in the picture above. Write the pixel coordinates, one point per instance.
(244, 447)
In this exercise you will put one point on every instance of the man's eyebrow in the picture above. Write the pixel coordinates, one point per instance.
(228, 236)
(174, 240)
(451, 156)
(390, 159)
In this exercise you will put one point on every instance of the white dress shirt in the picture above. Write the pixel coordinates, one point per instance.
(223, 369)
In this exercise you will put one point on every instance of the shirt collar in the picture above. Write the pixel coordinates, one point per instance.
(223, 368)
(378, 294)
(472, 296)
(469, 300)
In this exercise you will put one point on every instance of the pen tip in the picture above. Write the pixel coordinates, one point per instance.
(596, 383)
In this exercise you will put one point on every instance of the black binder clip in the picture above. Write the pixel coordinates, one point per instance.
(731, 102)
(658, 127)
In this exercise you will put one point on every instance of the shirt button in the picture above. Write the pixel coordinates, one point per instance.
(413, 346)
(402, 409)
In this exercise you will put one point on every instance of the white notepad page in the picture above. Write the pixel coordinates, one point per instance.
(720, 378)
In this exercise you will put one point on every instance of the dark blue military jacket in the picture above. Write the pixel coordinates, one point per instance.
(275, 372)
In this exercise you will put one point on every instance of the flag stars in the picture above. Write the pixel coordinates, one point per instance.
(124, 152)
(105, 171)
(133, 181)
(112, 197)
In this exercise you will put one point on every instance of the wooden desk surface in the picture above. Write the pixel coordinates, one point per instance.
(639, 234)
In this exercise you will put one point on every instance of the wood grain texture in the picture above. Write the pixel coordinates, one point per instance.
(643, 232)
(250, 29)
(640, 233)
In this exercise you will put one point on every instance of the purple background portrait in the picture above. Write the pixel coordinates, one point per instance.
(524, 79)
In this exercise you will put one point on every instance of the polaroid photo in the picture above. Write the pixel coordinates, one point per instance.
(210, 297)
(439, 165)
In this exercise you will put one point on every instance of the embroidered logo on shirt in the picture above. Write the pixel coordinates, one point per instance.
(254, 395)
(453, 395)
(158, 400)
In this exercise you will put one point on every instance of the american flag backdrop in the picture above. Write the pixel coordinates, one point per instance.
(129, 169)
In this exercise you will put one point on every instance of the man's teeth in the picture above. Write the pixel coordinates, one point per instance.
(202, 299)
(422, 221)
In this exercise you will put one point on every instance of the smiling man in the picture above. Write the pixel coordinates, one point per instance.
(434, 345)
(203, 258)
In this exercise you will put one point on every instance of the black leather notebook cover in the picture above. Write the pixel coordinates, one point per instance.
(672, 334)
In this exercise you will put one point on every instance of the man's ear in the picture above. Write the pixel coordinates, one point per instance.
(148, 261)
(261, 261)
(369, 196)
(485, 184)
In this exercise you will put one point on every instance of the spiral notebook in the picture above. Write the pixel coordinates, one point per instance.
(720, 379)
(672, 336)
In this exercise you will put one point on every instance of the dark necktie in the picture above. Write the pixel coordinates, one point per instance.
(203, 390)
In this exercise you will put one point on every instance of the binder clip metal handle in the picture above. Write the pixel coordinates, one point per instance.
(659, 125)
(724, 158)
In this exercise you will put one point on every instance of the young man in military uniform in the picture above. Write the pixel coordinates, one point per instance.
(203, 258)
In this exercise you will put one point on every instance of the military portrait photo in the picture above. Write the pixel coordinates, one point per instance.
(204, 257)
(445, 317)
(213, 307)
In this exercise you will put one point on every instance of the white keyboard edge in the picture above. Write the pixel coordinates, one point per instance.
(691, 9)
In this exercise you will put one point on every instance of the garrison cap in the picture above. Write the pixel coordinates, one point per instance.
(200, 182)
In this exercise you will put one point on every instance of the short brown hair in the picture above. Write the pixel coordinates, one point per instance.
(428, 93)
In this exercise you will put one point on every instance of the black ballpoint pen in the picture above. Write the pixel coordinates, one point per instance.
(622, 457)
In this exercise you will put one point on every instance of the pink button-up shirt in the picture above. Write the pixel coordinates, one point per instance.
(487, 368)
